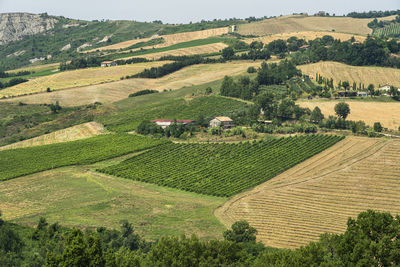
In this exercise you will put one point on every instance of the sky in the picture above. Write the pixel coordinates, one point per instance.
(184, 11)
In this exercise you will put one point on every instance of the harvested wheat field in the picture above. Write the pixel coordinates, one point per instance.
(169, 39)
(189, 51)
(76, 78)
(287, 24)
(37, 68)
(342, 72)
(388, 114)
(115, 91)
(320, 194)
(77, 132)
(307, 35)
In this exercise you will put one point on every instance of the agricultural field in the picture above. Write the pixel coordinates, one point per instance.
(342, 72)
(320, 194)
(116, 91)
(292, 24)
(189, 51)
(388, 31)
(307, 35)
(23, 161)
(76, 78)
(169, 40)
(183, 109)
(220, 169)
(388, 114)
(74, 133)
(78, 197)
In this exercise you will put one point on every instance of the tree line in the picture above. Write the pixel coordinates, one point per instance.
(371, 239)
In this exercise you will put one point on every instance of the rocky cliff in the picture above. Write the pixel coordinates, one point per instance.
(14, 26)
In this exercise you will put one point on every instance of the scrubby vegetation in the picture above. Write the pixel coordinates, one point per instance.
(220, 169)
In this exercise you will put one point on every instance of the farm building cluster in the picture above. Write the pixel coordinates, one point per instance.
(224, 122)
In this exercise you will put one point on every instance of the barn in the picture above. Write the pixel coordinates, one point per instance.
(166, 123)
(108, 64)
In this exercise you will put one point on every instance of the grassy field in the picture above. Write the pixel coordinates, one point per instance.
(79, 197)
(288, 24)
(74, 133)
(116, 91)
(170, 39)
(342, 72)
(23, 161)
(388, 114)
(76, 78)
(220, 169)
(320, 194)
(37, 68)
(307, 35)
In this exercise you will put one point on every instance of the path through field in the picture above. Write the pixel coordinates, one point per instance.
(320, 194)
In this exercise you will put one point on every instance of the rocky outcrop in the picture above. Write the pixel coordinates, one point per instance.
(14, 26)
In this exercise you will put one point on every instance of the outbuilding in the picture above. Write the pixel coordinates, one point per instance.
(166, 123)
(224, 122)
(109, 64)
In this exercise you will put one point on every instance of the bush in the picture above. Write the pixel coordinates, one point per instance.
(251, 70)
(378, 127)
(143, 92)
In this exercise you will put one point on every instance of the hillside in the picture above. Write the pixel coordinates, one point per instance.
(342, 72)
(288, 24)
(320, 194)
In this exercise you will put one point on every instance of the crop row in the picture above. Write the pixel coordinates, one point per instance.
(220, 169)
(23, 161)
(391, 30)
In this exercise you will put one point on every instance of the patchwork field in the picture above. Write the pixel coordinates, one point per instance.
(196, 50)
(74, 133)
(342, 72)
(388, 114)
(307, 35)
(287, 24)
(115, 91)
(78, 197)
(76, 78)
(319, 195)
(170, 39)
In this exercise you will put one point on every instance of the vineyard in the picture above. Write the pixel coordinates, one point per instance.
(220, 169)
(391, 30)
(23, 161)
(173, 109)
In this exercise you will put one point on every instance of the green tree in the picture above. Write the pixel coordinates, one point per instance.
(241, 232)
(378, 127)
(342, 110)
(228, 53)
(316, 115)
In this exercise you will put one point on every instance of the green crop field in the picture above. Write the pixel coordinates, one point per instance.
(188, 44)
(19, 162)
(182, 109)
(220, 169)
(392, 30)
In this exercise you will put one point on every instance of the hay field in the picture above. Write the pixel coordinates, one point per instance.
(388, 114)
(287, 24)
(319, 195)
(342, 72)
(76, 78)
(77, 132)
(169, 39)
(37, 68)
(80, 197)
(189, 51)
(307, 35)
(115, 91)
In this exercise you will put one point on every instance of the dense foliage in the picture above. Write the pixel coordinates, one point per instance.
(220, 169)
(23, 161)
(372, 239)
(143, 92)
(374, 14)
(12, 82)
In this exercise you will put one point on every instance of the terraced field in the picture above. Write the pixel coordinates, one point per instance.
(115, 91)
(319, 195)
(342, 72)
(292, 24)
(77, 132)
(307, 35)
(386, 113)
(76, 78)
(170, 39)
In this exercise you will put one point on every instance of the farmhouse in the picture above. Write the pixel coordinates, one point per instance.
(166, 123)
(224, 122)
(385, 88)
(108, 64)
(362, 94)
